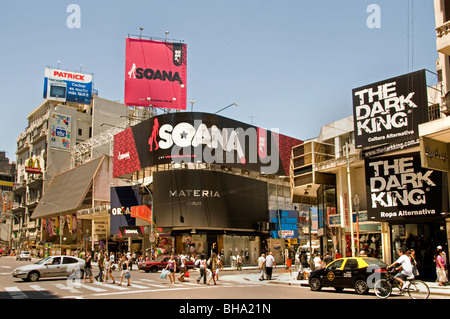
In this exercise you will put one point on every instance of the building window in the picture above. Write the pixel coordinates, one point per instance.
(434, 112)
(446, 10)
(80, 132)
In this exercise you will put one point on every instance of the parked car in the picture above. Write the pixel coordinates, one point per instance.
(24, 255)
(161, 263)
(52, 266)
(348, 273)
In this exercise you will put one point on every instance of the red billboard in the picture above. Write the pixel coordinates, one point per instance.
(155, 74)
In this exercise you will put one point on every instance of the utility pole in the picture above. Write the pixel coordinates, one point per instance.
(350, 202)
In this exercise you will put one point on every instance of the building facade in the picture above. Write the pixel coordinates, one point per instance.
(379, 188)
(7, 177)
(212, 182)
(47, 148)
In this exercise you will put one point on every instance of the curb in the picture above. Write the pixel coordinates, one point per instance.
(305, 284)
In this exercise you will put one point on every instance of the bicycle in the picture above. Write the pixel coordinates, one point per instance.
(416, 289)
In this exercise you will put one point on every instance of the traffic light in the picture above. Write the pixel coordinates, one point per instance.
(287, 243)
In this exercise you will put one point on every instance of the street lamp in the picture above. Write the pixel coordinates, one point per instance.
(226, 107)
(60, 223)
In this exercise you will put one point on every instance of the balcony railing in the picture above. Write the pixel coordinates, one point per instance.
(443, 29)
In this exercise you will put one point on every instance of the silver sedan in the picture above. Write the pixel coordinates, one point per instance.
(52, 266)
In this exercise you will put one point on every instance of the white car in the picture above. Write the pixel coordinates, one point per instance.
(52, 266)
(24, 255)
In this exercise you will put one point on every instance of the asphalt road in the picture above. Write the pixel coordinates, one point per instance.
(150, 286)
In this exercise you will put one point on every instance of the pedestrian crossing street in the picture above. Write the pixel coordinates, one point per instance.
(80, 290)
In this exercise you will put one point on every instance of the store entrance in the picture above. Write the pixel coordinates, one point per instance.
(423, 238)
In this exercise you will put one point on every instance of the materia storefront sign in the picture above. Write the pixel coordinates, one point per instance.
(399, 188)
(387, 114)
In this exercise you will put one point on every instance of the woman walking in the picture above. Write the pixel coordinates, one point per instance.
(219, 267)
(201, 264)
(108, 270)
(212, 266)
(172, 267)
(125, 272)
(440, 268)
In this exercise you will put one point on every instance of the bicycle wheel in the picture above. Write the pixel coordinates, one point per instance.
(417, 289)
(382, 288)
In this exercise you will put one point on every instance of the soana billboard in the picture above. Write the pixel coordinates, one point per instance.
(389, 112)
(399, 188)
(155, 74)
(201, 138)
(65, 86)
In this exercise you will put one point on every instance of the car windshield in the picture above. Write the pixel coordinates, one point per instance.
(375, 261)
(43, 261)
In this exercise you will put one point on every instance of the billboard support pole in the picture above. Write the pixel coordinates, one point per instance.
(352, 245)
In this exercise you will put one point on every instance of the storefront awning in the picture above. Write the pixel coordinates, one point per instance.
(66, 191)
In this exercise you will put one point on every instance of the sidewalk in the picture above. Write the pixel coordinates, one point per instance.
(283, 277)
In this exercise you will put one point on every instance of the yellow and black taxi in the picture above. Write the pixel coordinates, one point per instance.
(350, 272)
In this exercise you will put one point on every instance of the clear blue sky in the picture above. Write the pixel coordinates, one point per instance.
(290, 65)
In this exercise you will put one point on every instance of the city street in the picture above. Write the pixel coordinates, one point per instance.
(231, 285)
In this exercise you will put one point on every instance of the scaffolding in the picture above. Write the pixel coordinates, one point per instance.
(83, 152)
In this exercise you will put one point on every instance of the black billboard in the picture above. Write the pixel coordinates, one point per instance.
(387, 114)
(193, 137)
(398, 188)
(122, 199)
(209, 199)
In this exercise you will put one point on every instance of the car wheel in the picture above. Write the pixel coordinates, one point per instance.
(361, 287)
(315, 284)
(154, 270)
(33, 276)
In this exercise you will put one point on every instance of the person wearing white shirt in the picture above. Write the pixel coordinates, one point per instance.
(270, 263)
(403, 264)
(262, 266)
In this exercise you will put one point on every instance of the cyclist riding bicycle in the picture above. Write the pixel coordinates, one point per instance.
(404, 264)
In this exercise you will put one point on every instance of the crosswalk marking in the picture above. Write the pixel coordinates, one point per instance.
(42, 290)
(92, 288)
(16, 293)
(139, 286)
(112, 286)
(143, 285)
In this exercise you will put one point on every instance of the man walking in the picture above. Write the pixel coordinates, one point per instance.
(100, 261)
(262, 266)
(270, 263)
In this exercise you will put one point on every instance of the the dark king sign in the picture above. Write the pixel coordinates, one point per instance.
(387, 114)
(399, 188)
